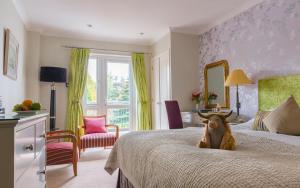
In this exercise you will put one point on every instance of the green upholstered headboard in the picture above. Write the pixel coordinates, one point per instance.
(273, 91)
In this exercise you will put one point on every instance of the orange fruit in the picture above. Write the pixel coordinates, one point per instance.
(27, 103)
(24, 108)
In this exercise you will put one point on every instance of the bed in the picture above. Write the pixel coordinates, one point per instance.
(170, 158)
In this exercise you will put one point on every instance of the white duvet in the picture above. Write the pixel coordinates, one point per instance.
(170, 158)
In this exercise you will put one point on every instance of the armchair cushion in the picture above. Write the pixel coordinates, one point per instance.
(94, 125)
(59, 153)
(97, 140)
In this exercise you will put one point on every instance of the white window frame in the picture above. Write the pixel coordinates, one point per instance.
(101, 106)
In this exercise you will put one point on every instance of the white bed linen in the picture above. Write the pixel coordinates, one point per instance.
(170, 158)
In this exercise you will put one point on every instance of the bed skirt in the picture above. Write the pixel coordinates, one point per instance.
(123, 182)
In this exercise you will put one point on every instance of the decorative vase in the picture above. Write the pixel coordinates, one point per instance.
(197, 107)
(201, 105)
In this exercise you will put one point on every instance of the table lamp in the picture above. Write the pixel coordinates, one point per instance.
(53, 75)
(236, 78)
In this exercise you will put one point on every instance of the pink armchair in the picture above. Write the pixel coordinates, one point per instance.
(97, 139)
(60, 151)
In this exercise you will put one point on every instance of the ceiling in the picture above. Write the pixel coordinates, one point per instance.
(124, 20)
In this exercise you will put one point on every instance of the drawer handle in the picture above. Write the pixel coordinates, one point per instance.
(28, 147)
(43, 136)
(41, 172)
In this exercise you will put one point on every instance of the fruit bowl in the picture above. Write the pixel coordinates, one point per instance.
(27, 108)
(27, 113)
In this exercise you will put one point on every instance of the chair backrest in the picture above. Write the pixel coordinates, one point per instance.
(174, 116)
(102, 116)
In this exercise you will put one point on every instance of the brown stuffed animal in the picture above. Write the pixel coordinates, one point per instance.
(217, 133)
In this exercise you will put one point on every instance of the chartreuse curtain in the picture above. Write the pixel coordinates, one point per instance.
(139, 74)
(77, 81)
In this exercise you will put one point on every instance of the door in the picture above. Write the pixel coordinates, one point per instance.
(160, 90)
(155, 89)
(118, 100)
(110, 90)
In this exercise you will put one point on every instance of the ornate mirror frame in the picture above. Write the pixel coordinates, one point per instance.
(224, 64)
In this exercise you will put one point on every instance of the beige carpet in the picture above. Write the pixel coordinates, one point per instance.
(91, 173)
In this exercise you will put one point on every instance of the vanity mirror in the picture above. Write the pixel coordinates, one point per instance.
(215, 75)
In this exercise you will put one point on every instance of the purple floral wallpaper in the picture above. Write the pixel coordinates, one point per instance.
(264, 41)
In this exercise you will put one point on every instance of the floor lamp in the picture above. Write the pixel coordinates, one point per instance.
(237, 78)
(53, 75)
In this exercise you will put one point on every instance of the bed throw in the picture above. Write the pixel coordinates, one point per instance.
(170, 158)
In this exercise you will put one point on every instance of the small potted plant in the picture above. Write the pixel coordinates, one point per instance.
(211, 97)
(197, 98)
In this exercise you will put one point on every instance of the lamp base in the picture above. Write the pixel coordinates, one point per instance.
(238, 104)
(52, 107)
(238, 119)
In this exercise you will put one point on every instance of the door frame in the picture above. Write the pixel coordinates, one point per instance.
(153, 90)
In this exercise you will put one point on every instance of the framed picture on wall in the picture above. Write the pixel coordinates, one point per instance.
(11, 50)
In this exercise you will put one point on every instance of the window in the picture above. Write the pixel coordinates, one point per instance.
(109, 90)
(91, 85)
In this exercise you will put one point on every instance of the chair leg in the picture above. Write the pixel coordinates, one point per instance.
(75, 168)
(81, 150)
(75, 160)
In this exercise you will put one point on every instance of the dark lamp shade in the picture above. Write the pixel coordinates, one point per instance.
(53, 74)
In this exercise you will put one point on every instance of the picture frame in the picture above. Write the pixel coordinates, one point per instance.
(11, 51)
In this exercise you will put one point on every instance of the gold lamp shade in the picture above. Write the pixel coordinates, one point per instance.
(237, 77)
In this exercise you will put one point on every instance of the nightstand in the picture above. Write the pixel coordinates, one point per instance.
(232, 120)
(191, 119)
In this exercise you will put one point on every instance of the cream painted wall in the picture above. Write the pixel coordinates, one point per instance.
(12, 91)
(53, 54)
(184, 68)
(33, 65)
(161, 46)
(184, 58)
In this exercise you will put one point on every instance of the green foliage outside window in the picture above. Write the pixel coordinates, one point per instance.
(117, 89)
(118, 92)
(91, 90)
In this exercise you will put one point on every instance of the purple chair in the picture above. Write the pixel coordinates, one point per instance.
(174, 116)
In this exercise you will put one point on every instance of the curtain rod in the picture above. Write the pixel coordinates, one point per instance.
(123, 51)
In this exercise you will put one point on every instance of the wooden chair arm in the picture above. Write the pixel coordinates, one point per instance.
(81, 127)
(78, 134)
(60, 132)
(117, 129)
(53, 137)
(69, 136)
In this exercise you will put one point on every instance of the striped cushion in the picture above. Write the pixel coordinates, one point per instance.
(59, 153)
(97, 140)
(258, 124)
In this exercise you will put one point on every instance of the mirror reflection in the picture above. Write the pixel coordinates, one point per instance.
(215, 90)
